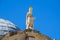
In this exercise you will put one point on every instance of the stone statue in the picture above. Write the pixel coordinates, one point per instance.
(29, 19)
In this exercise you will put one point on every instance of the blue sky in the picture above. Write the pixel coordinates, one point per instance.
(46, 12)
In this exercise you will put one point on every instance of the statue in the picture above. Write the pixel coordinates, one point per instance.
(29, 19)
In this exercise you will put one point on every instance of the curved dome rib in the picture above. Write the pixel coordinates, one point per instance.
(7, 26)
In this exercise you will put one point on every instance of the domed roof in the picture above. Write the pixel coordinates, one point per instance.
(7, 26)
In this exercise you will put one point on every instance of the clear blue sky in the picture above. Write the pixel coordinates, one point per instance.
(47, 13)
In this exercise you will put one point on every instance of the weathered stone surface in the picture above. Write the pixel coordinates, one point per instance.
(21, 35)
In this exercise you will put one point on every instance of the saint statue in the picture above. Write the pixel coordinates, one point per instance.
(29, 19)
